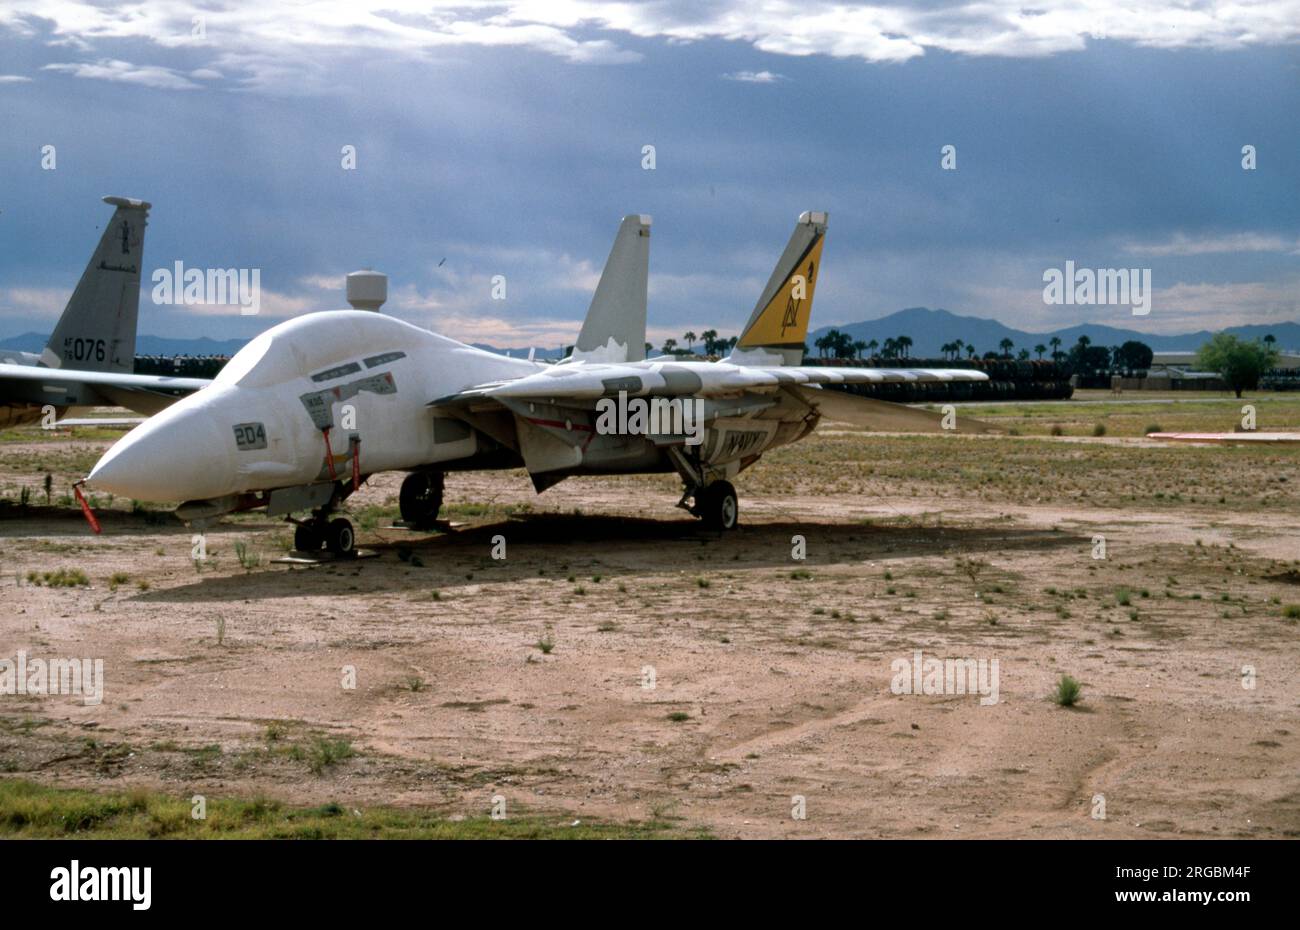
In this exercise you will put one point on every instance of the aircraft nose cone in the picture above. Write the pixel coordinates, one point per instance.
(178, 455)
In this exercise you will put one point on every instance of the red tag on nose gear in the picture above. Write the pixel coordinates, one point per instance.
(329, 453)
(85, 508)
(356, 464)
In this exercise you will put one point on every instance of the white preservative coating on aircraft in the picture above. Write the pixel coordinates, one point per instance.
(300, 417)
(612, 352)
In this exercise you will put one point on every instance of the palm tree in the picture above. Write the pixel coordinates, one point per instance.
(858, 346)
(946, 348)
(1006, 345)
(820, 343)
(970, 352)
(670, 346)
(904, 343)
(710, 337)
(957, 346)
(690, 338)
(872, 346)
(1024, 355)
(889, 349)
(1040, 349)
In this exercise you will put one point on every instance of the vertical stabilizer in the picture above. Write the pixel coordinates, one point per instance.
(97, 329)
(614, 330)
(778, 326)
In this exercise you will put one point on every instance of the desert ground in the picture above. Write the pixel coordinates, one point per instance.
(621, 666)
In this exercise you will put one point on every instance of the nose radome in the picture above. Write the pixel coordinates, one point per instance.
(177, 455)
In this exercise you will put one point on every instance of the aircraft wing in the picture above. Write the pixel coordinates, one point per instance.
(668, 379)
(106, 422)
(883, 416)
(1227, 438)
(107, 379)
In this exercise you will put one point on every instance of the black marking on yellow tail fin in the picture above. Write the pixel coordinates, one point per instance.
(778, 326)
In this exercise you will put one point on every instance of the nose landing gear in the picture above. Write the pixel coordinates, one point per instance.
(307, 537)
(339, 537)
(335, 535)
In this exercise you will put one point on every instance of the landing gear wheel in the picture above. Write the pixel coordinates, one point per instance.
(340, 538)
(718, 505)
(307, 538)
(421, 498)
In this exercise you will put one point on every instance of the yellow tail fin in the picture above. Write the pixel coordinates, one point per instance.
(779, 323)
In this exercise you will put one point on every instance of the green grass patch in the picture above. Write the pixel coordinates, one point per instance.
(32, 811)
(1068, 692)
(60, 578)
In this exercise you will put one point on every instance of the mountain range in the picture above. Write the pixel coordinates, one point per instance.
(929, 330)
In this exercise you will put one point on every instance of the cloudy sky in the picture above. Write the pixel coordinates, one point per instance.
(506, 138)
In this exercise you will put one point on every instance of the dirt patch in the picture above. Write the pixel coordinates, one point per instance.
(621, 663)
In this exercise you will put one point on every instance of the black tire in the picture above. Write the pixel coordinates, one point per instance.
(340, 537)
(421, 498)
(719, 506)
(307, 538)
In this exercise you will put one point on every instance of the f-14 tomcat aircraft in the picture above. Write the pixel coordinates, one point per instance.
(90, 358)
(306, 411)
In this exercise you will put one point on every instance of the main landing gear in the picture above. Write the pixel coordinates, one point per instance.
(717, 505)
(714, 502)
(421, 499)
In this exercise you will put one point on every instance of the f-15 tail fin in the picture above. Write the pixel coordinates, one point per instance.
(614, 330)
(778, 326)
(97, 329)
